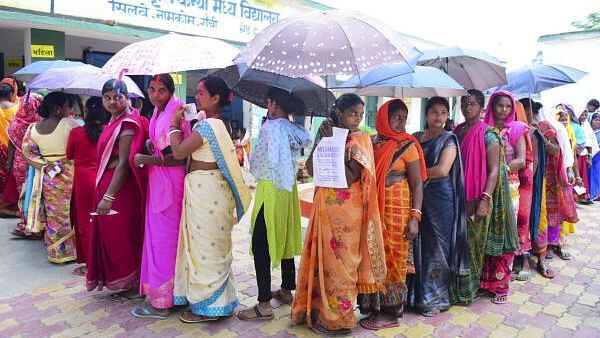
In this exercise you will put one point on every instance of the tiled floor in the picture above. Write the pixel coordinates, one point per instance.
(566, 306)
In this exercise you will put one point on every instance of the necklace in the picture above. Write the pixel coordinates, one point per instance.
(114, 118)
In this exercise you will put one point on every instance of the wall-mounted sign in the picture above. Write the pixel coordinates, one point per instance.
(32, 5)
(234, 20)
(14, 63)
(42, 51)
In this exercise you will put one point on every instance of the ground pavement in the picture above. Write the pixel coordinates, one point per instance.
(567, 306)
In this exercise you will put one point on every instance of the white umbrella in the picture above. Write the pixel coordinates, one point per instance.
(325, 43)
(32, 70)
(171, 53)
(81, 80)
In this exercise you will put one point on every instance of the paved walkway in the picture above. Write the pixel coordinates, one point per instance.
(567, 306)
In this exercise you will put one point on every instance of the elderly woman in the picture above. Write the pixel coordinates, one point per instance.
(440, 249)
(343, 251)
(400, 171)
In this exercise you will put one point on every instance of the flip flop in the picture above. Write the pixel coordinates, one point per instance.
(126, 295)
(562, 253)
(430, 312)
(545, 271)
(373, 323)
(282, 297)
(523, 276)
(189, 317)
(500, 299)
(320, 330)
(80, 271)
(145, 311)
(247, 314)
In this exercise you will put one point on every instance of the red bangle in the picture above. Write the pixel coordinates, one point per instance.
(416, 214)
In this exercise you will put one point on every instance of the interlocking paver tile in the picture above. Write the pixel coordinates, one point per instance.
(566, 306)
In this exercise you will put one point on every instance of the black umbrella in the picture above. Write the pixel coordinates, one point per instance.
(253, 85)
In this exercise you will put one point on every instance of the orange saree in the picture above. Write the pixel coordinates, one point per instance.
(343, 251)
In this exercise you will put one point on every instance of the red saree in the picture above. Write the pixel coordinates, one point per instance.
(116, 240)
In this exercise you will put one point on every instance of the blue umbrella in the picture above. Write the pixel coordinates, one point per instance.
(252, 85)
(30, 71)
(534, 79)
(422, 82)
(473, 69)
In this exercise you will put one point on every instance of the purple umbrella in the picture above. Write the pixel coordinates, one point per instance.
(325, 43)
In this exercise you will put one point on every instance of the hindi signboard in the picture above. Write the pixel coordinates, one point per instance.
(235, 20)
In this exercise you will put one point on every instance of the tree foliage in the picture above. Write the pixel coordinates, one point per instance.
(592, 22)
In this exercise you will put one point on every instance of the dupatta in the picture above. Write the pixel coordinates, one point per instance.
(385, 153)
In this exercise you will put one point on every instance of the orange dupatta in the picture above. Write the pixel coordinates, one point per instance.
(385, 153)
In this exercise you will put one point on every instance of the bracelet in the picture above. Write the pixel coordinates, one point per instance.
(173, 131)
(486, 196)
(108, 197)
(416, 214)
(173, 127)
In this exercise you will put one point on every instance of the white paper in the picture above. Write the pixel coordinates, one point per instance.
(190, 111)
(579, 190)
(328, 160)
(111, 212)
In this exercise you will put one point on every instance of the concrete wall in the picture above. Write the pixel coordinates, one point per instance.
(75, 45)
(582, 54)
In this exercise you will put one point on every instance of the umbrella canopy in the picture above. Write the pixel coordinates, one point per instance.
(422, 82)
(534, 79)
(324, 43)
(171, 53)
(32, 70)
(473, 69)
(81, 80)
(253, 85)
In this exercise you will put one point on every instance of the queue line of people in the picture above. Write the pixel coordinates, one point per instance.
(167, 194)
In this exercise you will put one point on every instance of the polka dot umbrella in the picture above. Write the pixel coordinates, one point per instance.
(325, 43)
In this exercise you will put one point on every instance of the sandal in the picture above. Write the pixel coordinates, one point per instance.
(188, 317)
(545, 271)
(549, 254)
(22, 235)
(148, 311)
(283, 297)
(126, 295)
(377, 323)
(254, 314)
(320, 330)
(562, 253)
(430, 312)
(523, 276)
(499, 299)
(80, 271)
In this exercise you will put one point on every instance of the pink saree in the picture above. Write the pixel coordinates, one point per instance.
(163, 213)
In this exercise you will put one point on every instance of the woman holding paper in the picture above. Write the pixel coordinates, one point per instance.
(163, 201)
(440, 248)
(213, 189)
(44, 148)
(343, 251)
(400, 169)
(117, 231)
